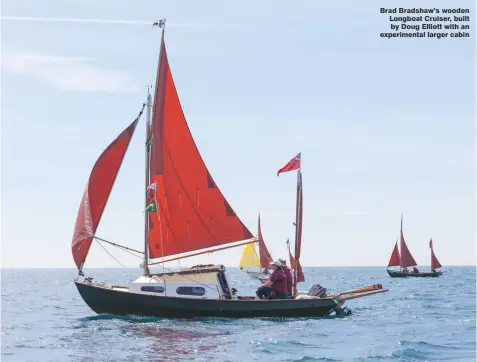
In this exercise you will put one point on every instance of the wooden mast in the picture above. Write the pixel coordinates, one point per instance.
(297, 226)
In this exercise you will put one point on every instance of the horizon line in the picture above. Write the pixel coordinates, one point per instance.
(236, 267)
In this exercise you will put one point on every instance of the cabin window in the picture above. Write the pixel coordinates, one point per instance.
(153, 289)
(200, 291)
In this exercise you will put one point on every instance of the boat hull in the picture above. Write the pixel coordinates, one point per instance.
(256, 275)
(104, 300)
(398, 274)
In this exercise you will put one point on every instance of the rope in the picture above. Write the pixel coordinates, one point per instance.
(109, 253)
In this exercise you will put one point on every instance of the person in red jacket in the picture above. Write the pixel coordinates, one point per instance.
(276, 286)
(288, 275)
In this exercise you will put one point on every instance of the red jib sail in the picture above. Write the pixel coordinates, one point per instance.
(265, 257)
(192, 213)
(406, 258)
(434, 262)
(95, 197)
(395, 260)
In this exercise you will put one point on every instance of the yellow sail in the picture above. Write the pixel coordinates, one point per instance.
(249, 257)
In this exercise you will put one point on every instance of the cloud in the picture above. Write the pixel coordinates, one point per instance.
(67, 73)
(110, 21)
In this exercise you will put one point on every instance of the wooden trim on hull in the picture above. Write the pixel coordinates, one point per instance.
(396, 274)
(112, 301)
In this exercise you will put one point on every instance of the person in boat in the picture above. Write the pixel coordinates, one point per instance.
(276, 286)
(405, 270)
(266, 271)
(415, 270)
(289, 276)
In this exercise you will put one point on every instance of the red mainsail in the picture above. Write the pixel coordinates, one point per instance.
(96, 194)
(406, 258)
(265, 257)
(395, 260)
(192, 213)
(434, 262)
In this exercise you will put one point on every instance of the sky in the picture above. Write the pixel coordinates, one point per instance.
(384, 125)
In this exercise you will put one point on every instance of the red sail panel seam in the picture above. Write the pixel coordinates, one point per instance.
(187, 194)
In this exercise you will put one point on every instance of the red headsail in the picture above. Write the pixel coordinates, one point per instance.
(265, 257)
(96, 194)
(192, 213)
(434, 262)
(395, 259)
(406, 258)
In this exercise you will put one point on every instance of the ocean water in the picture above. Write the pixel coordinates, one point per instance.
(421, 319)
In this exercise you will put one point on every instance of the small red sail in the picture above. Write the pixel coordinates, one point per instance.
(406, 257)
(96, 194)
(265, 257)
(395, 259)
(192, 212)
(292, 259)
(434, 262)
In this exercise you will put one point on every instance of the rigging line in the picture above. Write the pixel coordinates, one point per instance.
(111, 255)
(119, 246)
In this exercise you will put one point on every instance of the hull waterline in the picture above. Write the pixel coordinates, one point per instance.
(103, 300)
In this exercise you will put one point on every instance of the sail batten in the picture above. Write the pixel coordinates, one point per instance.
(97, 191)
(192, 213)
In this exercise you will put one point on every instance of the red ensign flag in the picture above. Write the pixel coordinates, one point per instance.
(293, 164)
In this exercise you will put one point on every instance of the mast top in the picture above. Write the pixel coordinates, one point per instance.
(161, 24)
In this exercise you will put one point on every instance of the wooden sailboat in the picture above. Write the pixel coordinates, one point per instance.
(404, 260)
(185, 215)
(250, 259)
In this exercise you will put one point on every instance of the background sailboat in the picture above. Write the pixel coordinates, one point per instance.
(404, 260)
(250, 259)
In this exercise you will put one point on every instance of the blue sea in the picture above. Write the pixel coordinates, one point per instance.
(419, 319)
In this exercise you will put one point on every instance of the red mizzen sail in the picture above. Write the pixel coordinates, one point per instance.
(292, 259)
(406, 258)
(192, 212)
(434, 262)
(299, 225)
(96, 194)
(293, 164)
(265, 257)
(395, 259)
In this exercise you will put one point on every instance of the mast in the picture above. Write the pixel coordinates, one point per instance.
(149, 133)
(295, 271)
(146, 188)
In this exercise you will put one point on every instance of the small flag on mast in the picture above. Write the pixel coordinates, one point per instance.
(151, 207)
(152, 186)
(293, 164)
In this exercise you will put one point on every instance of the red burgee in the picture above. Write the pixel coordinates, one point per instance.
(293, 164)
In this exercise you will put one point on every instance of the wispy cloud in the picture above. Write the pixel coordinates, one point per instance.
(109, 21)
(67, 73)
